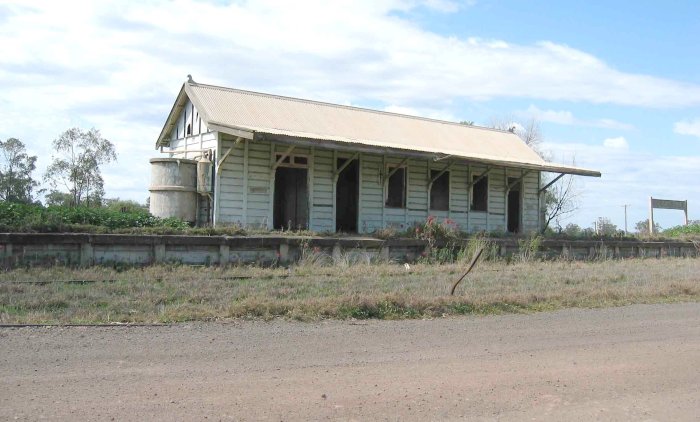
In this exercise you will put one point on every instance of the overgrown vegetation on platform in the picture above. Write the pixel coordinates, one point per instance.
(691, 231)
(15, 217)
(342, 288)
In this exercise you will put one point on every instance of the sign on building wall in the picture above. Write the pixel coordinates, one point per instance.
(667, 204)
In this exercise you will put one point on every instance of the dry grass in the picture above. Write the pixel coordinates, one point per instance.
(347, 290)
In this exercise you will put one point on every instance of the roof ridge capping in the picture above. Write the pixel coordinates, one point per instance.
(191, 82)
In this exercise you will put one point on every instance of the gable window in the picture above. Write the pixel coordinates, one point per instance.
(440, 191)
(480, 194)
(184, 122)
(396, 188)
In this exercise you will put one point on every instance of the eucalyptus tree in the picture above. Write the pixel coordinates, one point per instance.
(75, 167)
(16, 168)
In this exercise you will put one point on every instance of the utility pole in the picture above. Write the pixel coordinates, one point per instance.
(625, 207)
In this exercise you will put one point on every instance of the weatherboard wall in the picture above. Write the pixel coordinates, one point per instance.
(246, 190)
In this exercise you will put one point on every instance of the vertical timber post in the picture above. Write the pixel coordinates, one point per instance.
(245, 183)
(651, 216)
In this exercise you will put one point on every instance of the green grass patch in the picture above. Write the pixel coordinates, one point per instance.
(166, 294)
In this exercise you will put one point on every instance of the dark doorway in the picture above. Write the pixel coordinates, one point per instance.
(347, 192)
(291, 208)
(514, 207)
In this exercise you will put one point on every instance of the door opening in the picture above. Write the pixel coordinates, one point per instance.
(347, 192)
(291, 202)
(514, 207)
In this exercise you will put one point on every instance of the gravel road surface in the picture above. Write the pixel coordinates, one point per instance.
(637, 362)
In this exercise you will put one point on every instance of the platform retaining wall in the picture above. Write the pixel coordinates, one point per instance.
(30, 249)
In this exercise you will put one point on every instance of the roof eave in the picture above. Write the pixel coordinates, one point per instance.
(248, 133)
(172, 117)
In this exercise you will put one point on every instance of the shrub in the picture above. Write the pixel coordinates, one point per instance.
(691, 230)
(529, 247)
(434, 231)
(36, 218)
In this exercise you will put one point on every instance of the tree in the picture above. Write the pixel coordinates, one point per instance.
(605, 227)
(642, 227)
(77, 165)
(16, 168)
(124, 205)
(59, 199)
(529, 131)
(560, 199)
(573, 230)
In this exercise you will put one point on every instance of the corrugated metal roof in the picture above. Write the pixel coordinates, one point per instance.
(257, 113)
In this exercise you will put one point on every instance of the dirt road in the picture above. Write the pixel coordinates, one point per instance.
(636, 362)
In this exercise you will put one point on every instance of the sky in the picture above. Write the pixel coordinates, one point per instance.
(614, 85)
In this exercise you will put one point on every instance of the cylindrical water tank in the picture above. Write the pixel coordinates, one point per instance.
(174, 188)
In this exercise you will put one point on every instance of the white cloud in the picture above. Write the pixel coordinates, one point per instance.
(611, 124)
(445, 6)
(616, 143)
(688, 127)
(112, 65)
(630, 177)
(552, 116)
(564, 117)
(423, 112)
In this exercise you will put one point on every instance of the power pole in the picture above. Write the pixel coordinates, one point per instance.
(625, 207)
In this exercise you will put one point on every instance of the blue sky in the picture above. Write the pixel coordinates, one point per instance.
(615, 85)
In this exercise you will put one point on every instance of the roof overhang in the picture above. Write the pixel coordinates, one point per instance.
(350, 145)
(172, 118)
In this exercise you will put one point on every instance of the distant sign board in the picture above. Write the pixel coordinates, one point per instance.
(667, 204)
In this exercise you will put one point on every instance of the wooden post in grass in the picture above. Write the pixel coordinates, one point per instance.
(471, 265)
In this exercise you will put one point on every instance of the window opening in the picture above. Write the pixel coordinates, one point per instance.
(292, 160)
(396, 188)
(440, 191)
(480, 194)
(286, 159)
(184, 122)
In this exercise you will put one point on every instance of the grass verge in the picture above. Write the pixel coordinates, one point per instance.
(311, 292)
